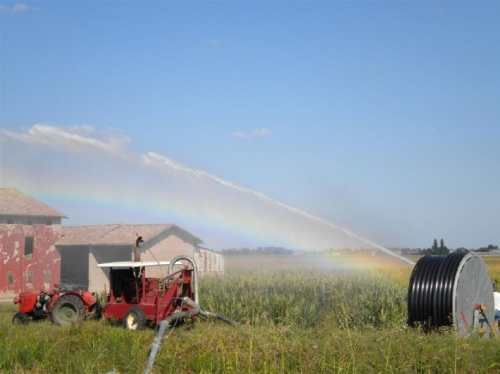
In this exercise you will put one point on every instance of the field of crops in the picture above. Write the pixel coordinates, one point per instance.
(297, 317)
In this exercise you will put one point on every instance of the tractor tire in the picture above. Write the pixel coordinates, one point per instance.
(135, 319)
(20, 319)
(68, 309)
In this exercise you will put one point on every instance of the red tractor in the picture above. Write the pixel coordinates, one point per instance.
(62, 306)
(138, 299)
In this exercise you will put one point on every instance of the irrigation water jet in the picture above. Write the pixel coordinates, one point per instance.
(151, 157)
(193, 204)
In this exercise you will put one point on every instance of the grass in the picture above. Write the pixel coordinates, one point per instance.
(294, 321)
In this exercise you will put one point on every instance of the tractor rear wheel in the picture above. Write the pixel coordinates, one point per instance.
(135, 319)
(68, 309)
(20, 319)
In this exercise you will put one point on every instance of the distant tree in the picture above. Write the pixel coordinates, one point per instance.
(489, 248)
(442, 250)
(426, 251)
(435, 247)
(257, 251)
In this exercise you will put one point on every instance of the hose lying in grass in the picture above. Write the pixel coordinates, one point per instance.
(204, 313)
(165, 324)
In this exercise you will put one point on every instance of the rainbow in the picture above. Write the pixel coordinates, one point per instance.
(98, 204)
(103, 188)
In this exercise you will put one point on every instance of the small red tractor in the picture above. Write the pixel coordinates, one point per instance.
(138, 299)
(62, 306)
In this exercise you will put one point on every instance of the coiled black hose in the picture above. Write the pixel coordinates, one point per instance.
(430, 292)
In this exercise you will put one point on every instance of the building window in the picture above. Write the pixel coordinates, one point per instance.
(28, 247)
(10, 221)
(48, 222)
(9, 279)
(48, 276)
(29, 222)
(29, 277)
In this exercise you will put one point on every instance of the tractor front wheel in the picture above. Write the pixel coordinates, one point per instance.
(135, 319)
(68, 309)
(20, 319)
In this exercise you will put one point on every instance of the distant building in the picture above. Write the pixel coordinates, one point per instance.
(36, 252)
(29, 231)
(83, 247)
(209, 261)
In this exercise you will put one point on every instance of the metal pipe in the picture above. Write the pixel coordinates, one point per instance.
(204, 313)
(195, 271)
(164, 325)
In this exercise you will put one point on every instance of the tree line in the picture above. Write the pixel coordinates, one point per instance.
(257, 251)
(437, 248)
(442, 249)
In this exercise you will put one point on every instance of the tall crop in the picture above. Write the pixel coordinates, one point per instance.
(308, 298)
(309, 321)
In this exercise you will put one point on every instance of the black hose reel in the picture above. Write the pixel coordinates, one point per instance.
(454, 289)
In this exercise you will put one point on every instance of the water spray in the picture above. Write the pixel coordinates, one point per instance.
(198, 173)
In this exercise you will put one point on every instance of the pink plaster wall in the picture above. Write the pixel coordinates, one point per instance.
(45, 256)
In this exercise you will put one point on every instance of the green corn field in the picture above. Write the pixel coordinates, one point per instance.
(293, 320)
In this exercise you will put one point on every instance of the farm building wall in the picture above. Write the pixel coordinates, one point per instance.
(209, 261)
(74, 266)
(29, 259)
(34, 253)
(98, 277)
(162, 248)
(165, 249)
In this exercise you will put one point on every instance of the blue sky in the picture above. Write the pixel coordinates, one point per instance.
(382, 118)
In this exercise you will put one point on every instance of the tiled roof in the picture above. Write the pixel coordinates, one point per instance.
(116, 234)
(15, 203)
(209, 250)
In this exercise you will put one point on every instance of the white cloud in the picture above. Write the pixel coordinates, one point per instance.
(82, 129)
(238, 134)
(261, 133)
(18, 8)
(82, 138)
(151, 186)
(214, 41)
